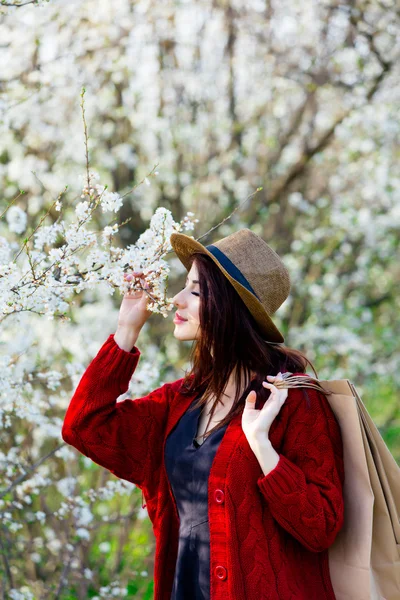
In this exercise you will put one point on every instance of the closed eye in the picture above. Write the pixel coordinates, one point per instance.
(194, 293)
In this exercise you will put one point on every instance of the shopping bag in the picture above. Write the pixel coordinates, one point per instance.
(364, 560)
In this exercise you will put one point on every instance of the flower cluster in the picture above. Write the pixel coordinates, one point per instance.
(42, 277)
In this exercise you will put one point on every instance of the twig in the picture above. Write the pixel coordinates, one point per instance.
(18, 5)
(86, 137)
(21, 192)
(29, 471)
(40, 222)
(226, 218)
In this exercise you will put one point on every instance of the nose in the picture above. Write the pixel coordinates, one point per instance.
(177, 304)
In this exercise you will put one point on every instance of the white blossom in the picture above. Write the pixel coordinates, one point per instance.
(16, 219)
(82, 210)
(111, 201)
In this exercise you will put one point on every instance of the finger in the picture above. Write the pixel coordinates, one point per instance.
(144, 283)
(275, 393)
(137, 273)
(251, 399)
(269, 385)
(279, 376)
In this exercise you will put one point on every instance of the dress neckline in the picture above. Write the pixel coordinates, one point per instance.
(195, 443)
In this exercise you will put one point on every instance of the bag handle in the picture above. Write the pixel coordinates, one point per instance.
(296, 381)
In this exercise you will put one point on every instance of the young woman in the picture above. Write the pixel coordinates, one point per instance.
(243, 478)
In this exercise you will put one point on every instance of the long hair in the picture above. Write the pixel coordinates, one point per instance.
(230, 340)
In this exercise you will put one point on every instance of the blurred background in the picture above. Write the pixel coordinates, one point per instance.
(300, 98)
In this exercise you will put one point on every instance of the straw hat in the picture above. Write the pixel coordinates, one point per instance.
(253, 268)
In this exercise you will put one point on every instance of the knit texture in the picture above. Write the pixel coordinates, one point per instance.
(269, 535)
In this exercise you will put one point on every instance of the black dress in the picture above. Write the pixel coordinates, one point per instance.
(188, 465)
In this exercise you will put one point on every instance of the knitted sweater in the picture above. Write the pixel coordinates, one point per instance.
(269, 535)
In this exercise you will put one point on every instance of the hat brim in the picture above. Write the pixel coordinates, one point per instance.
(184, 246)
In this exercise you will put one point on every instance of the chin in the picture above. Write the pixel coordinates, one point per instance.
(183, 335)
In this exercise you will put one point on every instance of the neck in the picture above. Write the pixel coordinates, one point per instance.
(230, 389)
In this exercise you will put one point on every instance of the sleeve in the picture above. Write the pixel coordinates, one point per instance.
(124, 437)
(304, 491)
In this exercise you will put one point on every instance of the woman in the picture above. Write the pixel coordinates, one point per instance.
(243, 478)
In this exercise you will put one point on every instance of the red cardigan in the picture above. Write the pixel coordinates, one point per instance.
(269, 534)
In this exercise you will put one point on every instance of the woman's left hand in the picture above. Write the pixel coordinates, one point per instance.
(256, 423)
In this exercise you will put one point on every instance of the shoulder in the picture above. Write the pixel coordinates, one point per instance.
(308, 412)
(174, 388)
(308, 400)
(311, 426)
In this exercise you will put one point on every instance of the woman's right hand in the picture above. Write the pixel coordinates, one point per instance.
(133, 312)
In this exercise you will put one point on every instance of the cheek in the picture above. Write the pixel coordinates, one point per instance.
(198, 310)
(195, 308)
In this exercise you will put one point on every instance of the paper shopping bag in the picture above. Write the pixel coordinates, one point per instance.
(385, 483)
(364, 560)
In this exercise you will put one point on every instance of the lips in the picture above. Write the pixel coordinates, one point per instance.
(179, 318)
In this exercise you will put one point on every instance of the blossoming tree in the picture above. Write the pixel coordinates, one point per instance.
(297, 97)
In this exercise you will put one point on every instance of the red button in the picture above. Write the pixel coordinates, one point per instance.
(219, 496)
(220, 572)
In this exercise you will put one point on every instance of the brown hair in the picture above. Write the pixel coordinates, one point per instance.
(228, 329)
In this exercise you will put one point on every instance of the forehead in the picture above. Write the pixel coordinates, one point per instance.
(193, 271)
(192, 274)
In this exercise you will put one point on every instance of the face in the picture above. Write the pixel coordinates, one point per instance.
(187, 303)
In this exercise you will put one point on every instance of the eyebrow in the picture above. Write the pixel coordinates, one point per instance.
(193, 280)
